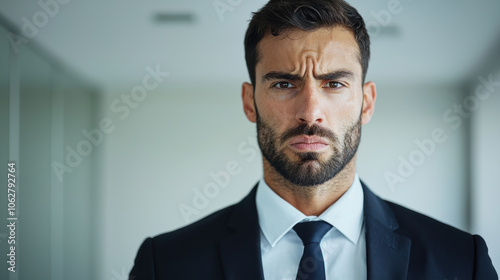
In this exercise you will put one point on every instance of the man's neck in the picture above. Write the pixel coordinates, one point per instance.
(313, 200)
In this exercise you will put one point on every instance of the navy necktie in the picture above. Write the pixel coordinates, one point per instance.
(312, 266)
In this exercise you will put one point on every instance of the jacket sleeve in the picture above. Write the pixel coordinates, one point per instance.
(483, 268)
(144, 265)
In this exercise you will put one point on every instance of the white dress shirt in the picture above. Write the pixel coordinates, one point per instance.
(343, 246)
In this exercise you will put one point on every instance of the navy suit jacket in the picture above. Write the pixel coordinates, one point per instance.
(400, 244)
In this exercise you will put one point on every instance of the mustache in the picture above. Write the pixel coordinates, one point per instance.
(314, 130)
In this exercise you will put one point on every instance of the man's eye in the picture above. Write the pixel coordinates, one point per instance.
(283, 85)
(333, 85)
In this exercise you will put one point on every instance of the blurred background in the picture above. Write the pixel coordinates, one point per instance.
(125, 121)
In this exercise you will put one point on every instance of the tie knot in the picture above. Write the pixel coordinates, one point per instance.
(312, 232)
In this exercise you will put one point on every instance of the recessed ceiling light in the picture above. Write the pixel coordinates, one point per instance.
(170, 17)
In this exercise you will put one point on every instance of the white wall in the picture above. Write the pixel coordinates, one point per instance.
(167, 146)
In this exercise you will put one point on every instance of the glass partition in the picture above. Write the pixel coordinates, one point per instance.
(56, 177)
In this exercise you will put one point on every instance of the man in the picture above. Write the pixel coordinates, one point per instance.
(310, 217)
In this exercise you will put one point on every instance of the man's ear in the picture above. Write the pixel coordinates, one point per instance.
(369, 96)
(247, 96)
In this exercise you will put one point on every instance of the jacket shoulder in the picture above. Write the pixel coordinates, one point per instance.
(206, 229)
(417, 224)
(435, 244)
(193, 251)
(172, 255)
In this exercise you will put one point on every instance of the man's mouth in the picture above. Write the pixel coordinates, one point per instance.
(308, 143)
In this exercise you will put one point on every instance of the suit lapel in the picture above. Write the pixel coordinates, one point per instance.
(387, 253)
(240, 249)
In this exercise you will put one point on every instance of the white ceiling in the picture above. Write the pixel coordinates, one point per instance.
(111, 42)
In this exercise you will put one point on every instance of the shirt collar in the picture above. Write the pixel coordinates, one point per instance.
(277, 216)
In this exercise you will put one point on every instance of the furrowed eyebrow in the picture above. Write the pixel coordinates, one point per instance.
(273, 75)
(340, 74)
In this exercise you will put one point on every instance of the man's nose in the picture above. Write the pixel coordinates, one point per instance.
(310, 105)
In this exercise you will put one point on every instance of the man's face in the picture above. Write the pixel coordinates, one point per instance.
(308, 103)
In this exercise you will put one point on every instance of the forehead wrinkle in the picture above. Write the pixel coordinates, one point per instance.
(320, 52)
(311, 62)
(314, 53)
(306, 62)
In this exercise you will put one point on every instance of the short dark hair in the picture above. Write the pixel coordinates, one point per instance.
(280, 15)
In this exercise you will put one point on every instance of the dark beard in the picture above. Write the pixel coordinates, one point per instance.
(300, 173)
